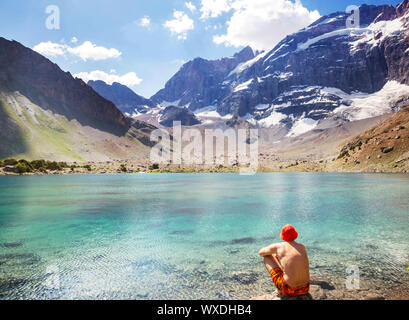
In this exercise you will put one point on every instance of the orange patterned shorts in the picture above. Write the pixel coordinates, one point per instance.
(278, 278)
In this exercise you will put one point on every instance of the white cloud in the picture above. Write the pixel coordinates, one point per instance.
(180, 25)
(89, 51)
(50, 49)
(86, 51)
(215, 8)
(190, 6)
(263, 23)
(145, 21)
(129, 79)
(74, 40)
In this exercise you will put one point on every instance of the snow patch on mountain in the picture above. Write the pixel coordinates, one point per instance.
(341, 32)
(245, 65)
(211, 112)
(273, 119)
(261, 107)
(166, 104)
(302, 125)
(243, 86)
(378, 32)
(362, 106)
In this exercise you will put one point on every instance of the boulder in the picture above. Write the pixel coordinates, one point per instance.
(387, 150)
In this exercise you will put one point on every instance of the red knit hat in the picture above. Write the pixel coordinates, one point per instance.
(288, 233)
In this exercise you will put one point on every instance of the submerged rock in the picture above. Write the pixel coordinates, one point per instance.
(24, 259)
(12, 244)
(243, 240)
(181, 232)
(323, 284)
(245, 278)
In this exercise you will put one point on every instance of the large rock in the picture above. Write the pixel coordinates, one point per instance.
(172, 113)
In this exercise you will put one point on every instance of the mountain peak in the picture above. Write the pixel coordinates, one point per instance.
(199, 82)
(246, 53)
(402, 8)
(123, 97)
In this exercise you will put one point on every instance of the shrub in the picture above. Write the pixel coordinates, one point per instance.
(54, 166)
(63, 164)
(22, 167)
(123, 168)
(10, 162)
(26, 164)
(88, 167)
(154, 166)
(1, 164)
(37, 164)
(343, 154)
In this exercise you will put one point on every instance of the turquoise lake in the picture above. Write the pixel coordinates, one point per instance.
(181, 236)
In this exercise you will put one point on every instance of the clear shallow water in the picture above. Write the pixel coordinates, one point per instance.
(183, 236)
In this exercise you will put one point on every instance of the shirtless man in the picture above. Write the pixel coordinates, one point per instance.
(287, 263)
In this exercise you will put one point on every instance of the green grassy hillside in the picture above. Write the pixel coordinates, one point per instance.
(31, 132)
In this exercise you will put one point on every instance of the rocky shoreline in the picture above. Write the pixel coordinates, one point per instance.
(113, 167)
(335, 289)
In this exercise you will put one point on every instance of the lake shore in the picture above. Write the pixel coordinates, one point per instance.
(113, 167)
(325, 288)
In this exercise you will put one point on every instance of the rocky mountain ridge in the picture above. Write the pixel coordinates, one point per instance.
(45, 84)
(125, 99)
(46, 113)
(199, 82)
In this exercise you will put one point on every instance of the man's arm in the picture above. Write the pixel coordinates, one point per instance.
(269, 251)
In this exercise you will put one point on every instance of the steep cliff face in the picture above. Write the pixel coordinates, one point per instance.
(396, 49)
(123, 97)
(325, 54)
(199, 83)
(324, 70)
(46, 85)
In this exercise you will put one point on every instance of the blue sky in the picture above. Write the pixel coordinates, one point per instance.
(118, 42)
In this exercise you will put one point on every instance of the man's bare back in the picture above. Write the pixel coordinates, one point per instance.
(288, 261)
(292, 258)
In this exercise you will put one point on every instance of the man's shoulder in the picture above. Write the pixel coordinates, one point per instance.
(302, 246)
(279, 244)
(299, 245)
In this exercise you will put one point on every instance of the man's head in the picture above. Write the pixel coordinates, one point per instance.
(288, 233)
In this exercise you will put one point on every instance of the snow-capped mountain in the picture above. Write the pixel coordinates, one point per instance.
(324, 70)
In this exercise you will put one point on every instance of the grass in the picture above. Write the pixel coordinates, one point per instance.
(40, 133)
